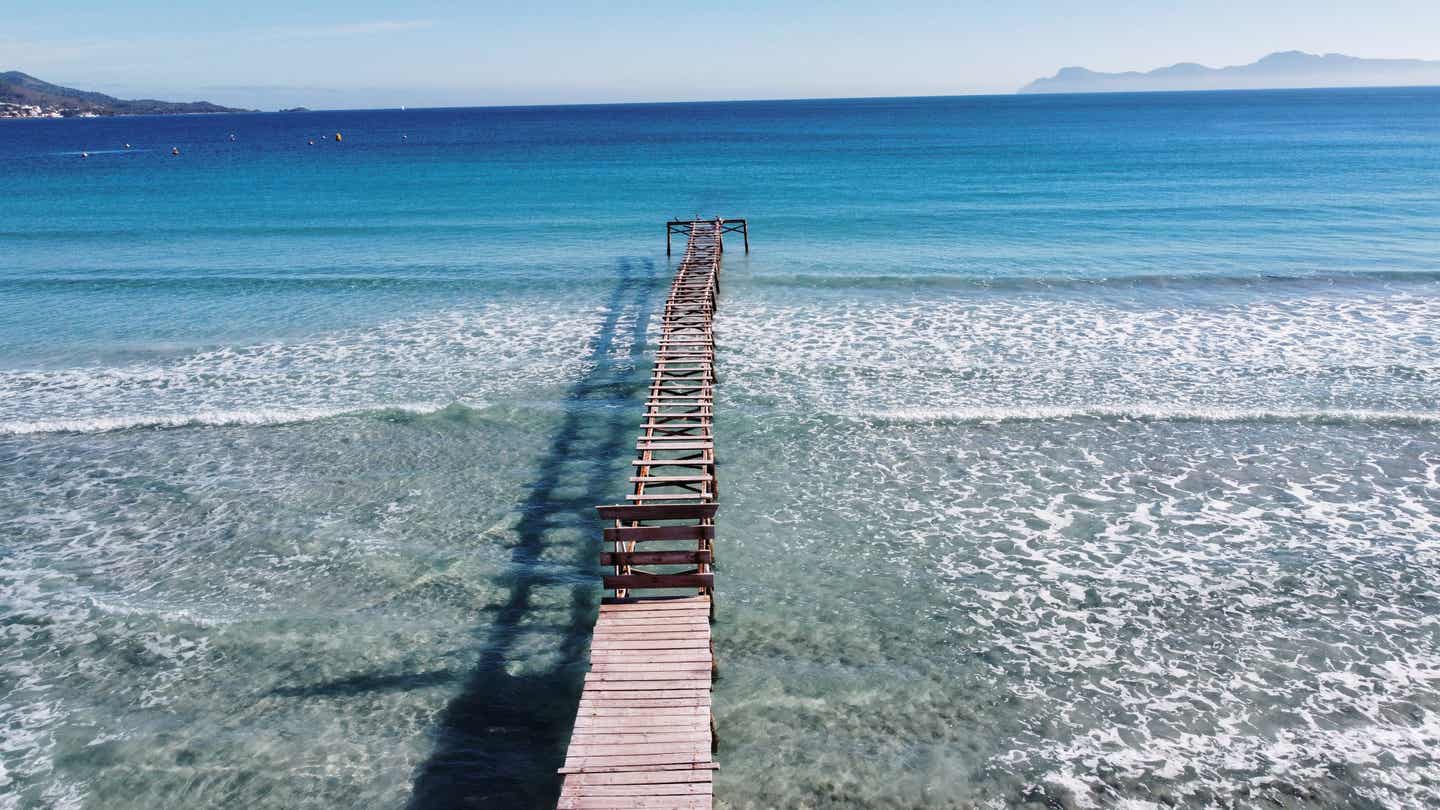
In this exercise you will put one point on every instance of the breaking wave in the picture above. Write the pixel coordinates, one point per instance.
(1149, 413)
(220, 418)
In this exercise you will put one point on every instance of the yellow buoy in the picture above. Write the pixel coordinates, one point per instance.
(337, 136)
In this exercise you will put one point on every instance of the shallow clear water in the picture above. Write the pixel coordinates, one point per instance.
(1080, 451)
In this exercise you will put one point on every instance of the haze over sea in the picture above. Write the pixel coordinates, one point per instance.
(1079, 450)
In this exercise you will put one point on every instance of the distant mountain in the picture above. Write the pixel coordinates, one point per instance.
(1287, 69)
(19, 90)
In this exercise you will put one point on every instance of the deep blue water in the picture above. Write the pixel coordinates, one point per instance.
(1103, 430)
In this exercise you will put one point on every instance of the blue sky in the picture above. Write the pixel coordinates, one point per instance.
(326, 53)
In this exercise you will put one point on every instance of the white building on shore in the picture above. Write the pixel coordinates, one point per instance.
(12, 110)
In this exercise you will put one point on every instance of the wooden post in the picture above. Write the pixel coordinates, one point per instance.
(745, 230)
(668, 229)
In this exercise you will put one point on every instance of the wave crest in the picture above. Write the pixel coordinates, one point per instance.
(1148, 413)
(258, 417)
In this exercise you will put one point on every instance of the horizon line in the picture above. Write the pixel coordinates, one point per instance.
(798, 99)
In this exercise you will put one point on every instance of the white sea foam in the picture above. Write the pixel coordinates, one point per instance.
(1367, 356)
(1214, 609)
(246, 418)
(1149, 412)
(421, 364)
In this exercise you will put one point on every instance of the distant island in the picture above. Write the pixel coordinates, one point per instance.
(1288, 69)
(24, 96)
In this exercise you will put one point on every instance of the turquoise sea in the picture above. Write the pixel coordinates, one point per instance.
(1079, 451)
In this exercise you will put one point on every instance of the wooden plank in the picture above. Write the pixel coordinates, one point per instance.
(673, 761)
(646, 701)
(652, 768)
(645, 533)
(657, 581)
(685, 738)
(642, 657)
(660, 621)
(660, 633)
(641, 690)
(650, 789)
(657, 702)
(618, 608)
(642, 720)
(595, 682)
(635, 803)
(650, 656)
(613, 605)
(699, 511)
(683, 689)
(615, 645)
(613, 704)
(699, 672)
(651, 702)
(663, 802)
(662, 627)
(676, 670)
(657, 734)
(613, 581)
(654, 626)
(608, 681)
(635, 749)
(670, 638)
(636, 619)
(588, 762)
(702, 776)
(659, 630)
(657, 557)
(687, 615)
(692, 782)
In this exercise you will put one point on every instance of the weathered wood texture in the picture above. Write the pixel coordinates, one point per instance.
(643, 734)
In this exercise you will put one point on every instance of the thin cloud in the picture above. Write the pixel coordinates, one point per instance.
(359, 28)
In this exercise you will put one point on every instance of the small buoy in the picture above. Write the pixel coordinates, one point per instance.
(337, 137)
(174, 150)
(404, 137)
(232, 137)
(312, 141)
(127, 146)
(84, 154)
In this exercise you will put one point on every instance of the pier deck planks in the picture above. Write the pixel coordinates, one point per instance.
(644, 733)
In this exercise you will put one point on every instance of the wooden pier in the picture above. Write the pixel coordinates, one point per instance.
(644, 735)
